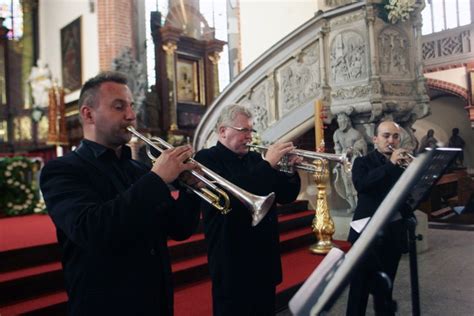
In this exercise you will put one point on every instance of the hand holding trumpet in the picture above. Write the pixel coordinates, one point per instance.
(276, 152)
(172, 162)
(400, 156)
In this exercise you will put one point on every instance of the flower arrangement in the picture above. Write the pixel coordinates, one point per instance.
(20, 192)
(395, 11)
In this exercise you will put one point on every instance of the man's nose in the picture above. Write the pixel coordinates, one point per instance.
(130, 114)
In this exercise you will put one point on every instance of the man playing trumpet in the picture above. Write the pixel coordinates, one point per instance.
(244, 261)
(374, 175)
(112, 214)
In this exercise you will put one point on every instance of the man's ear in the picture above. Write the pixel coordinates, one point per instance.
(221, 131)
(86, 114)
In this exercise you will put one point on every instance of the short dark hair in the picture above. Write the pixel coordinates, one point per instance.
(376, 130)
(89, 89)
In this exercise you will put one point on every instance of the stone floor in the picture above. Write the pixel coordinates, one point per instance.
(446, 275)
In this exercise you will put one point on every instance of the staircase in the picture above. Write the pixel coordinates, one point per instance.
(31, 279)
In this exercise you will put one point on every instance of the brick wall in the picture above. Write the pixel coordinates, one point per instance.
(449, 87)
(116, 29)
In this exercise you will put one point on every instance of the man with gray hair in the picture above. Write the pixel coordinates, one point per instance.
(244, 261)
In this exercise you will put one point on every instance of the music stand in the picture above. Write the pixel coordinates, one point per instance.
(318, 293)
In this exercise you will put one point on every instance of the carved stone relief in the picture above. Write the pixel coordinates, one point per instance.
(348, 19)
(398, 88)
(353, 92)
(348, 60)
(258, 102)
(336, 3)
(299, 79)
(393, 53)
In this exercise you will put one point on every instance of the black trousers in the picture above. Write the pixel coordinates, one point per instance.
(383, 256)
(254, 300)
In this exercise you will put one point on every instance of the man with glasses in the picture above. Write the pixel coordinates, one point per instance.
(244, 261)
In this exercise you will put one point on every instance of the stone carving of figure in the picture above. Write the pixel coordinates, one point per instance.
(428, 141)
(40, 81)
(455, 141)
(347, 140)
(408, 139)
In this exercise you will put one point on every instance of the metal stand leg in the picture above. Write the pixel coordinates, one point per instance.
(412, 238)
(384, 305)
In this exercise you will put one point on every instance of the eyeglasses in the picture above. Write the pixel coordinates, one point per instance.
(243, 129)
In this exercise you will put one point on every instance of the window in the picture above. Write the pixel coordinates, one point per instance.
(11, 11)
(440, 15)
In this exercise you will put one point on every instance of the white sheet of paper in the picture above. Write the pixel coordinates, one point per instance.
(359, 225)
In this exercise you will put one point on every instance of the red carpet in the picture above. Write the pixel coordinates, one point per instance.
(195, 299)
(31, 280)
(26, 231)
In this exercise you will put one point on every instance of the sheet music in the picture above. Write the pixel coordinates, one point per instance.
(359, 225)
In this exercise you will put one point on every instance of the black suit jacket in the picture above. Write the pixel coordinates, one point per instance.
(242, 256)
(373, 176)
(113, 234)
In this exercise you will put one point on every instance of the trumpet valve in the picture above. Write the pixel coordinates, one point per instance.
(284, 165)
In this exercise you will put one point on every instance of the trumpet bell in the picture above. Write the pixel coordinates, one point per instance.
(262, 206)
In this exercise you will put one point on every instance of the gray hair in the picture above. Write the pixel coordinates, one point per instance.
(229, 114)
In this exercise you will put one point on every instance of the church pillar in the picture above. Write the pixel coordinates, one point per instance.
(373, 53)
(213, 50)
(213, 90)
(169, 48)
(323, 47)
(420, 78)
(325, 89)
(115, 27)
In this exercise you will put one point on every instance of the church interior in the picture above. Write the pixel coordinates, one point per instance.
(319, 73)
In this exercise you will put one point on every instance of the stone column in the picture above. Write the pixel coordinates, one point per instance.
(420, 79)
(325, 89)
(214, 90)
(323, 48)
(374, 72)
(211, 82)
(115, 24)
(170, 48)
(373, 53)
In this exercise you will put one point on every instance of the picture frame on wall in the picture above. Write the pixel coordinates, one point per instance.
(188, 80)
(71, 56)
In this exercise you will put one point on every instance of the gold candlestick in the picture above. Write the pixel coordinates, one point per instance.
(323, 225)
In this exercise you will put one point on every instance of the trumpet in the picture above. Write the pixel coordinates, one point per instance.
(407, 158)
(214, 193)
(343, 159)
